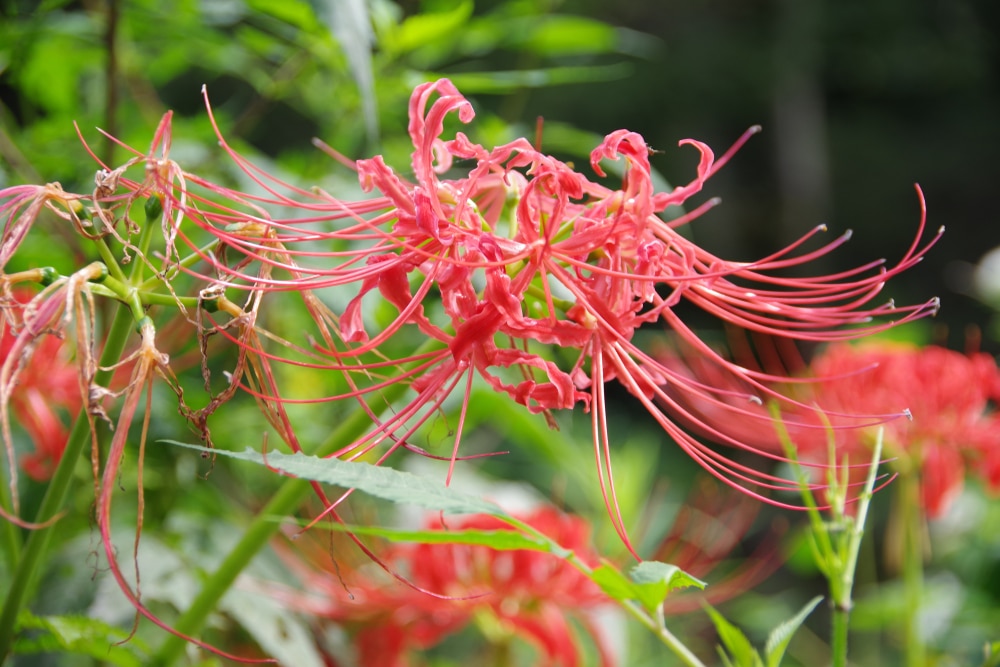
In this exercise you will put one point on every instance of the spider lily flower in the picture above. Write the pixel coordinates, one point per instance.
(528, 275)
(525, 274)
(528, 595)
(951, 428)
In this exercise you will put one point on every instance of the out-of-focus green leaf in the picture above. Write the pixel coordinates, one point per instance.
(81, 636)
(501, 540)
(613, 582)
(565, 35)
(654, 581)
(379, 481)
(295, 12)
(507, 81)
(648, 583)
(779, 638)
(52, 80)
(424, 29)
(283, 635)
(741, 651)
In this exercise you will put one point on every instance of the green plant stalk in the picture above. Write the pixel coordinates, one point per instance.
(913, 566)
(290, 495)
(58, 488)
(11, 536)
(657, 625)
(842, 587)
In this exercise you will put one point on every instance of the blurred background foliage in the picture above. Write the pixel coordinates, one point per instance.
(858, 101)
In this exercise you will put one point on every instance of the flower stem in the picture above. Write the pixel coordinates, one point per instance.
(290, 495)
(58, 488)
(657, 625)
(913, 565)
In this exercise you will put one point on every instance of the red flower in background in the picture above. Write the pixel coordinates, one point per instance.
(528, 594)
(46, 394)
(947, 394)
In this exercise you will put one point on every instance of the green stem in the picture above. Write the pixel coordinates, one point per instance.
(187, 262)
(11, 536)
(840, 623)
(657, 625)
(290, 495)
(841, 588)
(913, 565)
(109, 260)
(58, 488)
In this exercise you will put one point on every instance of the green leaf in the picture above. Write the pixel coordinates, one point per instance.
(780, 637)
(81, 636)
(501, 540)
(379, 481)
(740, 650)
(426, 28)
(567, 35)
(648, 583)
(654, 581)
(613, 582)
(991, 654)
(510, 80)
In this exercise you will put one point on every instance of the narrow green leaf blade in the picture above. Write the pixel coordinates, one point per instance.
(379, 481)
(781, 636)
(501, 540)
(740, 649)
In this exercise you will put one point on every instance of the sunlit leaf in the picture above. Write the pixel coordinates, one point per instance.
(426, 28)
(564, 35)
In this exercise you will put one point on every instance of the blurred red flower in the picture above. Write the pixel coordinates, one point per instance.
(951, 427)
(46, 394)
(526, 594)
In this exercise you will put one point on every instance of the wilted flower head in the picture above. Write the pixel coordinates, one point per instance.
(525, 594)
(947, 395)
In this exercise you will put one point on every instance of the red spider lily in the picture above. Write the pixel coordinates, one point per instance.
(527, 274)
(947, 395)
(526, 594)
